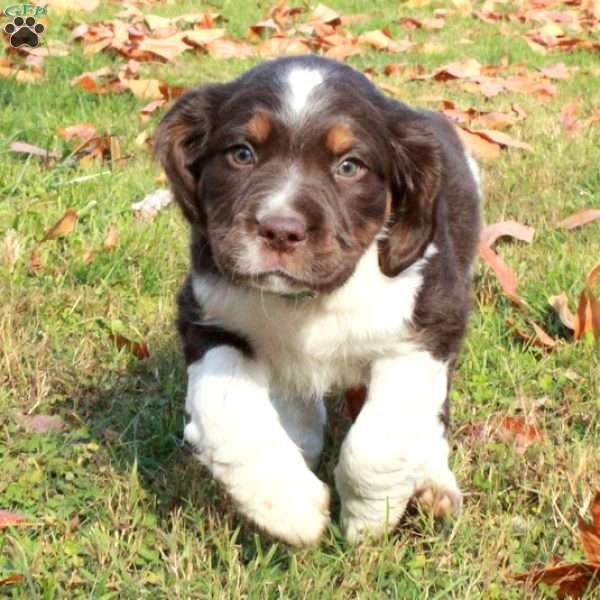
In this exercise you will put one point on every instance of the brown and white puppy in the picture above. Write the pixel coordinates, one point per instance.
(332, 236)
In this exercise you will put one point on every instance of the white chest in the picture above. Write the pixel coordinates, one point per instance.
(315, 344)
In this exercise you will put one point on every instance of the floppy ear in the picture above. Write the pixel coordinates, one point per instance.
(415, 181)
(181, 144)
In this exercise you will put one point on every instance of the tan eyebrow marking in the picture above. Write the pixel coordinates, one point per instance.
(259, 127)
(339, 139)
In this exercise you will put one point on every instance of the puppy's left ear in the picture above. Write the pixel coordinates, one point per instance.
(415, 182)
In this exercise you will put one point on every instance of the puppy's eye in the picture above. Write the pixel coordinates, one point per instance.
(241, 155)
(349, 167)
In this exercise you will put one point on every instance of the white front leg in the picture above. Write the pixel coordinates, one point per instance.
(397, 447)
(237, 434)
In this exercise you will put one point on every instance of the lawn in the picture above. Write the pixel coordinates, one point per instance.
(115, 506)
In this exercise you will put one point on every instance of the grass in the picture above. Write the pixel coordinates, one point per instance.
(117, 508)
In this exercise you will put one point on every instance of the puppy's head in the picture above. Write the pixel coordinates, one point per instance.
(289, 173)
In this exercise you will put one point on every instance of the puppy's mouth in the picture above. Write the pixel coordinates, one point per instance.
(278, 281)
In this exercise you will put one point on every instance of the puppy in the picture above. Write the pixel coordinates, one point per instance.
(332, 236)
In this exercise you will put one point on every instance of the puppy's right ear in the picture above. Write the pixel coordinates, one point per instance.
(181, 144)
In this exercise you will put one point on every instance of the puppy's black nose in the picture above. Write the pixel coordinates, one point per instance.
(283, 233)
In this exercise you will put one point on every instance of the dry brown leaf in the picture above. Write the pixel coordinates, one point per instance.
(83, 131)
(41, 423)
(517, 430)
(147, 89)
(499, 137)
(24, 148)
(572, 580)
(580, 218)
(10, 519)
(225, 48)
(491, 233)
(568, 118)
(560, 303)
(201, 37)
(590, 534)
(145, 112)
(541, 339)
(139, 349)
(34, 262)
(111, 239)
(16, 578)
(587, 319)
(481, 148)
(557, 71)
(62, 227)
(506, 277)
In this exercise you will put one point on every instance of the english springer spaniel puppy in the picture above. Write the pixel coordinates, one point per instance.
(332, 236)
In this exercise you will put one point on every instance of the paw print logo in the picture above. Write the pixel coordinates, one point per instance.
(24, 32)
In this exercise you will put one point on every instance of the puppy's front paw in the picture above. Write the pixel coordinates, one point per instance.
(440, 495)
(290, 503)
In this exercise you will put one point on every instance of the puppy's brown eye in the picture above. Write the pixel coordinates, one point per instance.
(348, 168)
(242, 155)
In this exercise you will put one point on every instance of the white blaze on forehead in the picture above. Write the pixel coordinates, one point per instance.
(301, 82)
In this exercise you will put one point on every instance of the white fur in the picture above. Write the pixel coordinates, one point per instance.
(278, 202)
(301, 82)
(313, 345)
(397, 446)
(238, 435)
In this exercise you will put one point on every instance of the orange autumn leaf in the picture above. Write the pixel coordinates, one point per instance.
(491, 233)
(111, 239)
(504, 274)
(541, 339)
(573, 579)
(580, 218)
(138, 349)
(83, 131)
(16, 578)
(10, 519)
(481, 148)
(62, 227)
(587, 319)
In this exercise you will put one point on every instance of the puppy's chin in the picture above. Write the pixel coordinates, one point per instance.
(278, 283)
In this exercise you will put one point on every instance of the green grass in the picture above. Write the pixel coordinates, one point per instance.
(119, 509)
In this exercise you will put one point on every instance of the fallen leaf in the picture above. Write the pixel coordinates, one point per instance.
(506, 277)
(517, 430)
(24, 148)
(201, 37)
(499, 137)
(139, 349)
(225, 48)
(541, 339)
(568, 117)
(34, 262)
(557, 71)
(9, 519)
(580, 218)
(491, 233)
(41, 423)
(587, 318)
(62, 227)
(590, 534)
(573, 579)
(16, 578)
(111, 239)
(147, 89)
(83, 131)
(145, 112)
(560, 303)
(480, 147)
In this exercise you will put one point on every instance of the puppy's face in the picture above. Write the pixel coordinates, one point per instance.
(290, 172)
